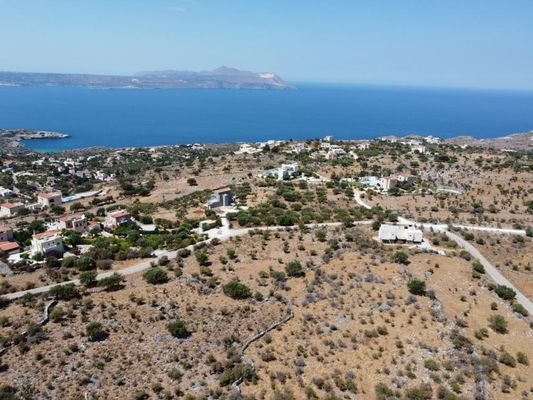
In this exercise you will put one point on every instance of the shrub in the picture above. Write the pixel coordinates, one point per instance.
(417, 287)
(155, 276)
(507, 359)
(294, 269)
(520, 309)
(57, 315)
(178, 329)
(112, 282)
(236, 290)
(432, 365)
(88, 278)
(522, 358)
(477, 267)
(202, 257)
(422, 392)
(95, 332)
(64, 292)
(498, 324)
(400, 257)
(505, 292)
(383, 392)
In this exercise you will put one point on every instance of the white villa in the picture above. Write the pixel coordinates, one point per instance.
(406, 233)
(49, 199)
(286, 171)
(45, 242)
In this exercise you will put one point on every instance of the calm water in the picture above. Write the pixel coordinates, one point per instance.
(121, 118)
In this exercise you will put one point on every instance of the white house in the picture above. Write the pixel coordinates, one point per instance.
(46, 242)
(116, 218)
(76, 222)
(4, 192)
(10, 209)
(49, 199)
(407, 233)
(246, 148)
(387, 183)
(286, 171)
(334, 152)
(6, 233)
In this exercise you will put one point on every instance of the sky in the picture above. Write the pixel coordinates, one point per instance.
(448, 43)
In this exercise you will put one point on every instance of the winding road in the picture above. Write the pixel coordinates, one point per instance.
(490, 269)
(223, 233)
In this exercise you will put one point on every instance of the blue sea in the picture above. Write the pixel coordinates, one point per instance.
(135, 117)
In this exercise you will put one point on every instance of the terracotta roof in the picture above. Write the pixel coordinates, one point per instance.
(67, 218)
(46, 234)
(5, 228)
(11, 205)
(49, 195)
(226, 189)
(8, 246)
(119, 213)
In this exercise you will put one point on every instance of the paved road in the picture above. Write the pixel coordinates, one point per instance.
(224, 233)
(490, 269)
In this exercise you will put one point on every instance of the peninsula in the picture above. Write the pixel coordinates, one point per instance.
(220, 78)
(10, 139)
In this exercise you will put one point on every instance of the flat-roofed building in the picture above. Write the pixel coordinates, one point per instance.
(50, 199)
(406, 233)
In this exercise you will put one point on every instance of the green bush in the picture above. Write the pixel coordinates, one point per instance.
(113, 282)
(507, 359)
(400, 257)
(294, 269)
(236, 290)
(477, 267)
(64, 292)
(520, 309)
(95, 332)
(505, 292)
(155, 276)
(417, 287)
(498, 323)
(88, 278)
(178, 329)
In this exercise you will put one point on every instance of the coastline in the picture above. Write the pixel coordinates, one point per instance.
(13, 139)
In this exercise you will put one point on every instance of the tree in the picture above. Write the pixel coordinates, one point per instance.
(95, 331)
(178, 329)
(88, 278)
(192, 182)
(498, 323)
(417, 287)
(202, 257)
(236, 290)
(400, 257)
(64, 292)
(505, 292)
(294, 269)
(113, 282)
(155, 276)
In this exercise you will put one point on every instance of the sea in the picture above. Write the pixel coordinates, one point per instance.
(148, 117)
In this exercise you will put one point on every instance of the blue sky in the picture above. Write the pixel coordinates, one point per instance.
(461, 43)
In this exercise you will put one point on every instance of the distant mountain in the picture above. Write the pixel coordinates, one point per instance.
(223, 78)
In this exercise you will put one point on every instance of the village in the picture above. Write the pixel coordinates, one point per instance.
(92, 222)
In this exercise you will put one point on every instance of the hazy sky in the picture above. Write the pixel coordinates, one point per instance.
(469, 43)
